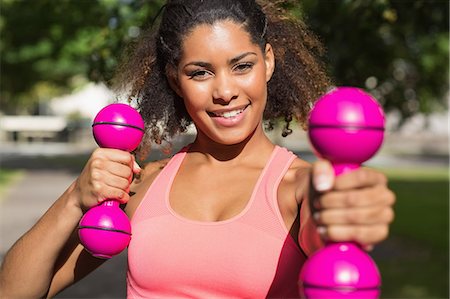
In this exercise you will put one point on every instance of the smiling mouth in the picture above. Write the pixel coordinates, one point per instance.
(228, 114)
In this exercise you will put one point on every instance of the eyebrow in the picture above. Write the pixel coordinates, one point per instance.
(231, 61)
(239, 57)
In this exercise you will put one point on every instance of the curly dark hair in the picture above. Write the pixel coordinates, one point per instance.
(298, 80)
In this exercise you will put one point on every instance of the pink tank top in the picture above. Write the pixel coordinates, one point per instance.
(250, 255)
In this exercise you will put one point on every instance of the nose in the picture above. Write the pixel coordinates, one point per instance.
(226, 89)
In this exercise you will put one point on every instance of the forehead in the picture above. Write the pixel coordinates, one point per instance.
(223, 38)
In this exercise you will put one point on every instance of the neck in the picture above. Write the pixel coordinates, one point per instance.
(257, 142)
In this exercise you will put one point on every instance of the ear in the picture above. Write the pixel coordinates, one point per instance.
(172, 77)
(269, 59)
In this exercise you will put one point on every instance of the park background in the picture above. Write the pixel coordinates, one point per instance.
(58, 57)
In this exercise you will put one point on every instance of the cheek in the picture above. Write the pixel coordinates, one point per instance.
(194, 95)
(256, 86)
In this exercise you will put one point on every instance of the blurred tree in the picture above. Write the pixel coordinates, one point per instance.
(49, 47)
(397, 49)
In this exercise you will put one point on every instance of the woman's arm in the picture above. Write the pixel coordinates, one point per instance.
(356, 206)
(28, 267)
(48, 257)
(308, 236)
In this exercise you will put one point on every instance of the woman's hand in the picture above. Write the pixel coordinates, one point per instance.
(355, 206)
(107, 175)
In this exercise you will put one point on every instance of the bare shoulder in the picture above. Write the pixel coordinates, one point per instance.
(296, 179)
(142, 182)
(290, 190)
(298, 169)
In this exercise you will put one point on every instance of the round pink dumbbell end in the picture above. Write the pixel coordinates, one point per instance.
(118, 126)
(340, 270)
(105, 230)
(346, 127)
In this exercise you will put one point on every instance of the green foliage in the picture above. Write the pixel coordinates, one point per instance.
(47, 44)
(423, 205)
(7, 179)
(414, 262)
(397, 49)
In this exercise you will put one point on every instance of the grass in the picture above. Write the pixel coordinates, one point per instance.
(415, 260)
(7, 178)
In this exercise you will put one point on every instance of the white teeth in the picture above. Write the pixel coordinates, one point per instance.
(229, 114)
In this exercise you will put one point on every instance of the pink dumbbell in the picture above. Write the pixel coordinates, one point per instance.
(346, 127)
(105, 229)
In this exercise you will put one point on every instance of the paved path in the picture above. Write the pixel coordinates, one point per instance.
(21, 207)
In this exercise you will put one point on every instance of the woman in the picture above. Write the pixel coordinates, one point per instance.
(232, 214)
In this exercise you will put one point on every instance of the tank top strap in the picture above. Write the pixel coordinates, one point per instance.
(265, 208)
(277, 169)
(151, 204)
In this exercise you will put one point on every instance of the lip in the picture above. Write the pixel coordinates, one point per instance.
(229, 121)
(218, 112)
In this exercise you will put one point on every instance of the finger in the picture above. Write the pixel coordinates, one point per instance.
(362, 216)
(364, 235)
(105, 166)
(115, 155)
(377, 195)
(119, 170)
(116, 194)
(105, 192)
(118, 182)
(322, 176)
(368, 247)
(136, 168)
(360, 178)
(116, 176)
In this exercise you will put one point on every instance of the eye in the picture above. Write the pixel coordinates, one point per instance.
(243, 67)
(199, 74)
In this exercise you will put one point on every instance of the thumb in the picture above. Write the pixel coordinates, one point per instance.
(136, 168)
(322, 176)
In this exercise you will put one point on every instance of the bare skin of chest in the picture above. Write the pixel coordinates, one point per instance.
(215, 194)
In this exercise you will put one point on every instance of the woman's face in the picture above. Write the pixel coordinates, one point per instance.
(222, 78)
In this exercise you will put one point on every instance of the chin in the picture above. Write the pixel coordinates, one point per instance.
(234, 139)
(230, 141)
